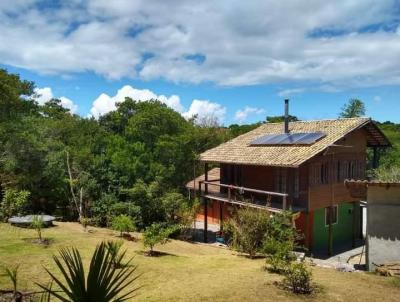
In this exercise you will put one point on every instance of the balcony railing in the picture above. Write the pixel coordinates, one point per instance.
(274, 201)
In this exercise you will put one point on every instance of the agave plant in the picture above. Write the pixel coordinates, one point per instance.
(103, 282)
(12, 274)
(117, 255)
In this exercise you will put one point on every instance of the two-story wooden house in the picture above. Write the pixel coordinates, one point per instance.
(299, 166)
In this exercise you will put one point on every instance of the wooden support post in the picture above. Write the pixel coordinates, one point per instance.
(330, 236)
(221, 216)
(306, 231)
(205, 203)
(284, 203)
(353, 242)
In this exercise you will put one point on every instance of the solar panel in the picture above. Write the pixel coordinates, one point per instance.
(289, 139)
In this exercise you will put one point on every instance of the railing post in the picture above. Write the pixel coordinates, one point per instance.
(205, 203)
(284, 203)
(229, 193)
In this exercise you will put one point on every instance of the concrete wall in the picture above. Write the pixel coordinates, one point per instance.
(383, 225)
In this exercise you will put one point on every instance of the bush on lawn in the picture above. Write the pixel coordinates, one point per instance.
(279, 242)
(157, 233)
(247, 230)
(298, 279)
(122, 224)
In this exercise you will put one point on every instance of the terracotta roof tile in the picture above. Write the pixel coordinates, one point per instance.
(239, 150)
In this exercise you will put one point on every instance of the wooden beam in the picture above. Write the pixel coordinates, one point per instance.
(353, 242)
(330, 235)
(248, 189)
(205, 203)
(221, 217)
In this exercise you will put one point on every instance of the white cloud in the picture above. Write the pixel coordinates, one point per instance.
(377, 99)
(105, 103)
(203, 109)
(240, 44)
(242, 115)
(288, 92)
(45, 94)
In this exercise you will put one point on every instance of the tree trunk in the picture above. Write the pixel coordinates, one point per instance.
(71, 186)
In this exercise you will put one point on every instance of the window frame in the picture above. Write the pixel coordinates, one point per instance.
(337, 215)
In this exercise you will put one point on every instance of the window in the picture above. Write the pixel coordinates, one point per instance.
(280, 179)
(324, 172)
(296, 183)
(320, 174)
(334, 215)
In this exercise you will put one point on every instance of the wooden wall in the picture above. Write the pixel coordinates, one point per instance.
(350, 149)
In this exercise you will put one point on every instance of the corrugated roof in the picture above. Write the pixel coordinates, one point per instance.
(239, 150)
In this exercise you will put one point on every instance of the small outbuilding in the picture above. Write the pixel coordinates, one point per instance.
(383, 220)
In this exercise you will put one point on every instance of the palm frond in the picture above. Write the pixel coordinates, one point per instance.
(104, 282)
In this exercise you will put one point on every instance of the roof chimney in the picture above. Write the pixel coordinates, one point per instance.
(286, 116)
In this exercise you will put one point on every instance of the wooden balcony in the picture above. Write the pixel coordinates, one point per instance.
(242, 196)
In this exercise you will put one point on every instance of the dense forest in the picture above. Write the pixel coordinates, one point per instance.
(134, 160)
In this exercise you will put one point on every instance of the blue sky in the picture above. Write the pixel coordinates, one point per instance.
(234, 60)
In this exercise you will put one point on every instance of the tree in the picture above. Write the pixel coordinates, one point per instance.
(281, 119)
(236, 130)
(354, 108)
(247, 230)
(103, 283)
(136, 154)
(12, 92)
(391, 174)
(14, 203)
(123, 224)
(38, 224)
(157, 233)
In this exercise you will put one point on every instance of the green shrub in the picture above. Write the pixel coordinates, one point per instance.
(298, 279)
(38, 224)
(117, 256)
(12, 274)
(391, 174)
(123, 224)
(247, 230)
(14, 203)
(103, 282)
(100, 210)
(279, 243)
(85, 221)
(157, 233)
(279, 254)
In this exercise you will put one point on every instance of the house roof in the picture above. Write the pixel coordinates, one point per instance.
(213, 175)
(239, 150)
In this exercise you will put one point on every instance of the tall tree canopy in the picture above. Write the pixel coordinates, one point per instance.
(354, 108)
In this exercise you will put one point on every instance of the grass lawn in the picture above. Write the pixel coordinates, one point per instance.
(188, 272)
